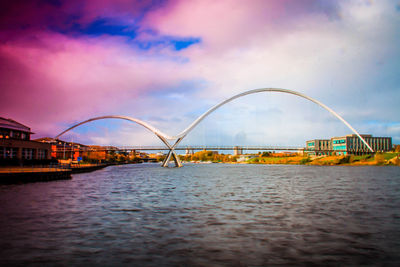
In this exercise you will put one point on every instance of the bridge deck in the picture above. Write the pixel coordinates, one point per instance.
(194, 148)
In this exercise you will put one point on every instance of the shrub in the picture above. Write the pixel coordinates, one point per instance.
(346, 159)
(266, 154)
(305, 160)
(379, 158)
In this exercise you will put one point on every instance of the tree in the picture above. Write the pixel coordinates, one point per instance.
(216, 158)
(266, 154)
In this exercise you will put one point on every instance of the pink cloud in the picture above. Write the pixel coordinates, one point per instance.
(62, 79)
(227, 23)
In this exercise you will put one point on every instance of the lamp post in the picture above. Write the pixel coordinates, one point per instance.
(72, 150)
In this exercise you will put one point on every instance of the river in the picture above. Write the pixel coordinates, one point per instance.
(205, 215)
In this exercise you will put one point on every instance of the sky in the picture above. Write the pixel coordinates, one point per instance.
(167, 62)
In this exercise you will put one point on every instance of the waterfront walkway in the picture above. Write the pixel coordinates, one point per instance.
(11, 170)
(15, 175)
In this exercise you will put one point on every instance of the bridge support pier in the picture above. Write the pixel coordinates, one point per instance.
(172, 154)
(189, 151)
(237, 151)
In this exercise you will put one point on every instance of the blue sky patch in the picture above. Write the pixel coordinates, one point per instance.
(176, 43)
(185, 43)
(104, 26)
(180, 91)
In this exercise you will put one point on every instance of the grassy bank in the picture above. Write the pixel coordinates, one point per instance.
(388, 158)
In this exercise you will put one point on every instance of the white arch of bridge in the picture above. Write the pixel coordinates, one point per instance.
(163, 137)
(178, 138)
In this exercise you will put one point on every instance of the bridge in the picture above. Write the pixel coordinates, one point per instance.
(200, 147)
(176, 139)
(238, 149)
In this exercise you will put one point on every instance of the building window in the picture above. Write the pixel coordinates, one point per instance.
(27, 153)
(343, 141)
(17, 135)
(339, 147)
(42, 154)
(8, 152)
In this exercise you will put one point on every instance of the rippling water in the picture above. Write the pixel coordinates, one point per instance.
(205, 215)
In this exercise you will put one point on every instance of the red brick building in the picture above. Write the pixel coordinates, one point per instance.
(15, 143)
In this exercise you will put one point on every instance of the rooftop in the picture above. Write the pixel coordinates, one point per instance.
(363, 135)
(54, 141)
(13, 125)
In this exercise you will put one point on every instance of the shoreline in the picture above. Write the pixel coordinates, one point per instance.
(18, 175)
(290, 163)
(387, 159)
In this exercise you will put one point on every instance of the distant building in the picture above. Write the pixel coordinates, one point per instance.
(142, 155)
(319, 146)
(349, 144)
(64, 150)
(95, 153)
(15, 143)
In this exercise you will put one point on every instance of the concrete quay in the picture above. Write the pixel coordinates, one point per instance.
(19, 175)
(80, 168)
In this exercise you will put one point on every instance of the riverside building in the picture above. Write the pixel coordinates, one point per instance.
(16, 146)
(64, 150)
(353, 145)
(319, 147)
(349, 144)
